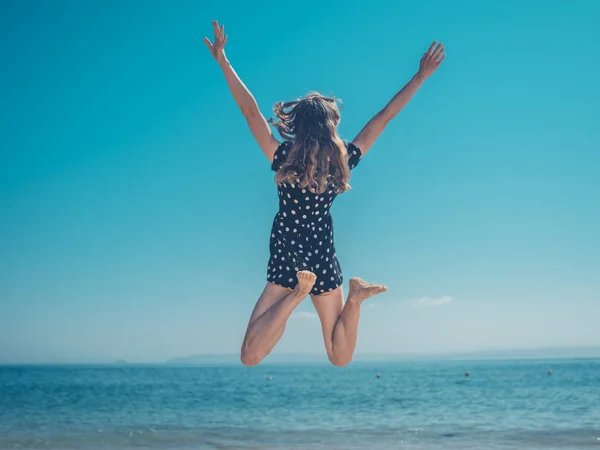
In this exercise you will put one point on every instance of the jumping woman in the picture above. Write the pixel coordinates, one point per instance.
(312, 166)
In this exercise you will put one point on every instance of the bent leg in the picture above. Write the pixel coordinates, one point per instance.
(339, 320)
(270, 315)
(329, 307)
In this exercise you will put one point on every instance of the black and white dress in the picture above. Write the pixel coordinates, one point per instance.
(302, 232)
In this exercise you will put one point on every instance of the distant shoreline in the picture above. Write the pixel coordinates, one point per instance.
(555, 354)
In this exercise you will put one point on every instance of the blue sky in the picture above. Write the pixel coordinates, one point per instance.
(136, 207)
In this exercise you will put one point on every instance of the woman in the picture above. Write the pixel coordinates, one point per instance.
(312, 167)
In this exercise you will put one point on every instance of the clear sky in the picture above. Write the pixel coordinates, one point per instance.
(136, 206)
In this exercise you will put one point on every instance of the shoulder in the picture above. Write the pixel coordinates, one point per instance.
(352, 149)
(354, 154)
(281, 154)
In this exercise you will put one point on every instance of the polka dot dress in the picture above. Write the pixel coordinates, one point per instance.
(302, 232)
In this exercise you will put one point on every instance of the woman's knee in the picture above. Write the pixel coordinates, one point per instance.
(249, 356)
(250, 359)
(338, 361)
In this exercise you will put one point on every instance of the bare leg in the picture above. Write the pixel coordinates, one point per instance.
(340, 321)
(270, 315)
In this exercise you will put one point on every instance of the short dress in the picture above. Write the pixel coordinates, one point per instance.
(302, 232)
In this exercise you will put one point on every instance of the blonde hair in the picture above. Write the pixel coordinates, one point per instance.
(318, 158)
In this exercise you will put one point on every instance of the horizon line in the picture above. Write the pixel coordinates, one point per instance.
(482, 355)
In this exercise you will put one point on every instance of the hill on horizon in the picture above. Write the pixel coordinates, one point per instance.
(533, 353)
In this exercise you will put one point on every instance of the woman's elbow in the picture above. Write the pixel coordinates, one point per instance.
(250, 111)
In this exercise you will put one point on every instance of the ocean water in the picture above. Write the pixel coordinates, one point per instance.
(414, 405)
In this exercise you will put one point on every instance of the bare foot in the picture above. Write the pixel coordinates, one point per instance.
(306, 281)
(361, 290)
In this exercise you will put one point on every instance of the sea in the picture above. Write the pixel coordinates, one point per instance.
(520, 404)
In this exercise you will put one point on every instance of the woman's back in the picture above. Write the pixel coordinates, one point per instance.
(302, 231)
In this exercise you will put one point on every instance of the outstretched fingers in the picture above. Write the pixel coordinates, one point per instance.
(220, 36)
(216, 47)
(438, 51)
(430, 51)
(435, 54)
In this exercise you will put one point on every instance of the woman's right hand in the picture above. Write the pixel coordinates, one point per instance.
(217, 49)
(432, 59)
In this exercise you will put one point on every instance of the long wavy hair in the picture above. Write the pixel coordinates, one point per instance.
(318, 158)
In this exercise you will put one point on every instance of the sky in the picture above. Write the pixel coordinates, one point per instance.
(136, 206)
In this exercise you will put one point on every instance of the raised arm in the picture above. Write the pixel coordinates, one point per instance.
(243, 97)
(429, 63)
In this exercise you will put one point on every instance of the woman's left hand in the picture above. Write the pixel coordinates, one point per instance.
(217, 49)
